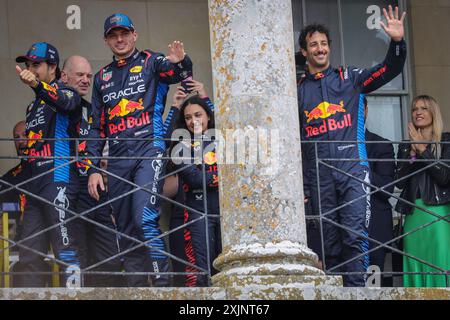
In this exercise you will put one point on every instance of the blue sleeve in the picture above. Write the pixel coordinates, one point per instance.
(171, 73)
(368, 80)
(170, 123)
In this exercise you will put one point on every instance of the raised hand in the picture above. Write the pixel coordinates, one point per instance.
(27, 77)
(176, 52)
(199, 87)
(394, 28)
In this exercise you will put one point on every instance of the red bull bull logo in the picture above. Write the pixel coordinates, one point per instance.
(33, 137)
(125, 107)
(324, 110)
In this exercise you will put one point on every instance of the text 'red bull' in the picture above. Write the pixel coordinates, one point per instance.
(129, 123)
(323, 111)
(125, 107)
(44, 152)
(329, 125)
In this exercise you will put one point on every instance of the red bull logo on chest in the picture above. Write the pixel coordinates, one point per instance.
(125, 107)
(33, 137)
(324, 110)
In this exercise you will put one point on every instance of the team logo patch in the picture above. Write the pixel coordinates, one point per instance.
(106, 76)
(68, 93)
(136, 69)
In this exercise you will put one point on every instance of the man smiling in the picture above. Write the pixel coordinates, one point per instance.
(331, 109)
(130, 93)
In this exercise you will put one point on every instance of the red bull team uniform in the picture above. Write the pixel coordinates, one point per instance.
(51, 119)
(331, 109)
(97, 243)
(131, 94)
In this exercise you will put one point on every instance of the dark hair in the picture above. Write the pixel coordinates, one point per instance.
(201, 102)
(310, 29)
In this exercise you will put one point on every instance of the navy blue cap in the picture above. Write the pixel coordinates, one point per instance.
(41, 51)
(118, 20)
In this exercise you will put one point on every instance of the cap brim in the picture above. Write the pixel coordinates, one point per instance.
(116, 27)
(21, 59)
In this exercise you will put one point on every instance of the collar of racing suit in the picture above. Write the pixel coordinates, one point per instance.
(320, 75)
(123, 62)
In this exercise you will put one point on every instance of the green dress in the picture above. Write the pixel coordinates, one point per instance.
(431, 244)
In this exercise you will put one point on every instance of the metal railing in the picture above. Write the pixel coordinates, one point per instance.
(322, 217)
(9, 244)
(391, 245)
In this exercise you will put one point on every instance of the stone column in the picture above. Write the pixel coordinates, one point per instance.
(262, 211)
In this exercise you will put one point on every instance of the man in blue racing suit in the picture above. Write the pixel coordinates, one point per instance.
(130, 93)
(51, 119)
(331, 109)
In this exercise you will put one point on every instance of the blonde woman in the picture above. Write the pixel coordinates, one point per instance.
(429, 189)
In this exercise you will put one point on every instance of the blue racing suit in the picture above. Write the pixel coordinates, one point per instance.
(52, 115)
(131, 94)
(96, 244)
(331, 109)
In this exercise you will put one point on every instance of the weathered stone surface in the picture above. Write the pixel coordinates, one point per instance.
(252, 292)
(114, 294)
(254, 88)
(261, 202)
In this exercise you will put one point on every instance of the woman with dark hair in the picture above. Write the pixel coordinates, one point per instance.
(428, 233)
(202, 239)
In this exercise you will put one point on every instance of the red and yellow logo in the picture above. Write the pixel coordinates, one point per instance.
(82, 146)
(324, 110)
(33, 137)
(49, 88)
(210, 158)
(84, 166)
(125, 107)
